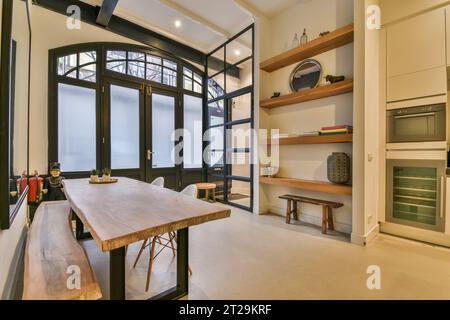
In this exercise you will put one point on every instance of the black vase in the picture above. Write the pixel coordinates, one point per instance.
(338, 168)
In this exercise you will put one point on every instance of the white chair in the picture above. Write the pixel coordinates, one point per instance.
(159, 182)
(190, 191)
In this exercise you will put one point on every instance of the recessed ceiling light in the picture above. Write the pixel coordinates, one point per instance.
(237, 52)
(177, 23)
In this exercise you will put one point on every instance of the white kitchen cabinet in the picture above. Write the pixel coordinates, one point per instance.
(447, 207)
(416, 57)
(447, 25)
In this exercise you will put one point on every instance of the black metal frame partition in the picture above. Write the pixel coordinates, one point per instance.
(7, 215)
(228, 123)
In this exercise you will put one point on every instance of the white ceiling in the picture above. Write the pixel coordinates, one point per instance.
(271, 8)
(205, 24)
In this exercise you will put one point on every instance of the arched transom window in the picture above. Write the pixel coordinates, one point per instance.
(144, 66)
(81, 65)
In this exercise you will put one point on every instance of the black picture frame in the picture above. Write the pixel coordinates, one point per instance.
(6, 98)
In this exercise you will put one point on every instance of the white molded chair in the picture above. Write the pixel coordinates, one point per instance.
(190, 191)
(159, 182)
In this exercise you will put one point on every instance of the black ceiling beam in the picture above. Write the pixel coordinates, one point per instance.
(106, 12)
(127, 29)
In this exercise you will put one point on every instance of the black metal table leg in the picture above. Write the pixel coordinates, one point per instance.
(117, 274)
(182, 287)
(79, 227)
(183, 261)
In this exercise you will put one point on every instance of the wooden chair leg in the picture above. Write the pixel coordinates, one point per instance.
(206, 195)
(288, 212)
(295, 210)
(171, 243)
(214, 195)
(330, 218)
(140, 252)
(324, 219)
(150, 263)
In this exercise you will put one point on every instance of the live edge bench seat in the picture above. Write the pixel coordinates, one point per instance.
(327, 209)
(54, 259)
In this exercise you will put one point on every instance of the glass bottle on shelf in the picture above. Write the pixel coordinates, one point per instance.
(303, 38)
(295, 41)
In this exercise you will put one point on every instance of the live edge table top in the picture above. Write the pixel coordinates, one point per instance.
(128, 211)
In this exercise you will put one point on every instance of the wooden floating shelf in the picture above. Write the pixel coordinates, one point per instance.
(337, 138)
(319, 186)
(317, 46)
(309, 95)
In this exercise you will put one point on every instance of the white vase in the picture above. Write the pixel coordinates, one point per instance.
(106, 177)
(94, 178)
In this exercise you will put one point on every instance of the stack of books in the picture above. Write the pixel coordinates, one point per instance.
(340, 129)
(311, 133)
(284, 135)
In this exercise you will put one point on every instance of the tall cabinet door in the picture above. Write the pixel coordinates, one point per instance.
(447, 32)
(416, 57)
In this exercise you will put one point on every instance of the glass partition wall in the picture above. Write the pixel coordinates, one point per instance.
(229, 119)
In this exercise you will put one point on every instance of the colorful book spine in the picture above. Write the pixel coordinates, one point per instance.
(337, 131)
(337, 127)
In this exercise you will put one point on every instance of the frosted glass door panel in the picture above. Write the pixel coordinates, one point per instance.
(77, 128)
(163, 126)
(124, 128)
(192, 155)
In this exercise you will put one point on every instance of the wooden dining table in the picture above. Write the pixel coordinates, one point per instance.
(119, 214)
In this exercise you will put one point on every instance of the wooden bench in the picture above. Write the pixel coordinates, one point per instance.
(327, 209)
(53, 256)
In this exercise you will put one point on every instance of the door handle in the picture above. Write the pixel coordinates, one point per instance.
(149, 154)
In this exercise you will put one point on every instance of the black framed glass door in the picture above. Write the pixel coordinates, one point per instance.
(109, 105)
(123, 142)
(163, 118)
(230, 101)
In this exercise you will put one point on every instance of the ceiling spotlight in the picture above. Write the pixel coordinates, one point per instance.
(177, 23)
(237, 52)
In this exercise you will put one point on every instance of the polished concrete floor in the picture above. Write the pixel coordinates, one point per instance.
(260, 257)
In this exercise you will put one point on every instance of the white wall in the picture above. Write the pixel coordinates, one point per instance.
(20, 34)
(49, 32)
(309, 161)
(368, 154)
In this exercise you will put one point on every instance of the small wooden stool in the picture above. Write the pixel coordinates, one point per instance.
(207, 186)
(327, 209)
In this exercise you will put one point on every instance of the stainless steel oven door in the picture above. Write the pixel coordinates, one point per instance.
(417, 124)
(415, 193)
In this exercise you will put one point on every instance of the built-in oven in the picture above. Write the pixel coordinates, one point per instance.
(416, 192)
(417, 124)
